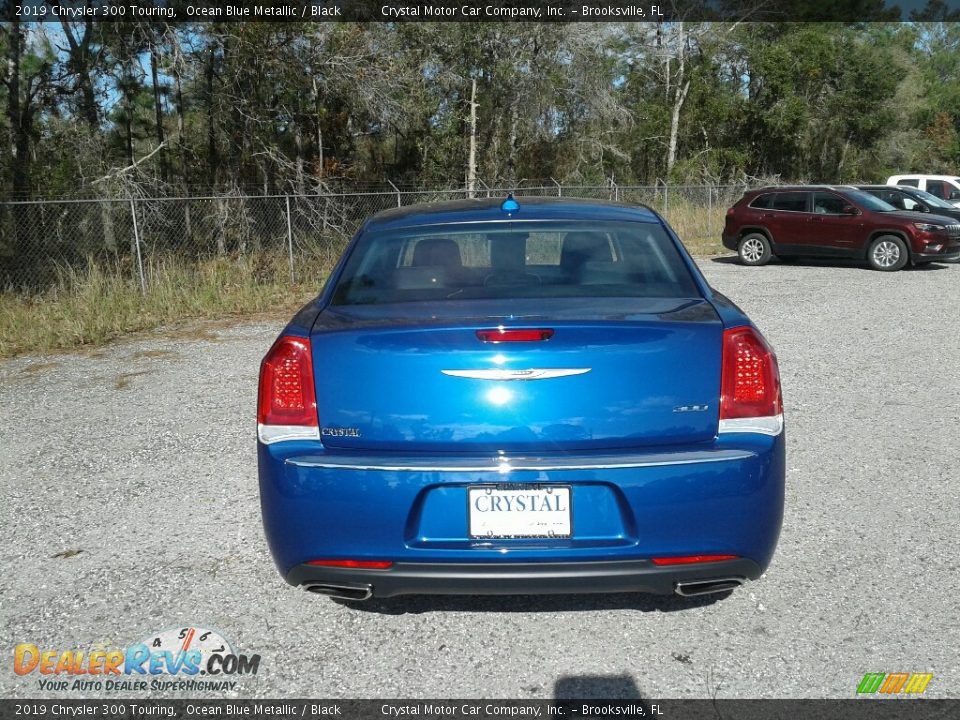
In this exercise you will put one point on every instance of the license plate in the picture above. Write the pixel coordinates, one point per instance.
(541, 511)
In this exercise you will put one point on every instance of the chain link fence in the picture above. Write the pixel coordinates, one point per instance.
(292, 238)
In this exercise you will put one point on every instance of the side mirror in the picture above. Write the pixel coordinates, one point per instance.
(849, 210)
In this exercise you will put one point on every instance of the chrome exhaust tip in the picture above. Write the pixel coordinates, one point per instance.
(357, 593)
(707, 587)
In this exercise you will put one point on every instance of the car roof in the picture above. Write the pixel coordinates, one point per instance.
(488, 210)
(802, 188)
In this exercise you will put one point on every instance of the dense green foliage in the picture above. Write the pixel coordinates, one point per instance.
(209, 108)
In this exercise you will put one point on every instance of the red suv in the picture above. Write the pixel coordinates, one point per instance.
(831, 221)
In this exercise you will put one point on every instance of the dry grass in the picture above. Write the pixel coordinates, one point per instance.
(100, 303)
(698, 227)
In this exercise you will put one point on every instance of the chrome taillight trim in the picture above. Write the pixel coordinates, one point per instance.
(269, 434)
(768, 425)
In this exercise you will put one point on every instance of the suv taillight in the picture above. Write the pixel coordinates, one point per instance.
(750, 384)
(287, 404)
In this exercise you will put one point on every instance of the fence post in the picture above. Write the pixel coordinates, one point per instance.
(559, 187)
(398, 192)
(136, 242)
(293, 278)
(666, 197)
(710, 210)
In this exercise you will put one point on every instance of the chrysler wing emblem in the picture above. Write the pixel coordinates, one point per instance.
(528, 374)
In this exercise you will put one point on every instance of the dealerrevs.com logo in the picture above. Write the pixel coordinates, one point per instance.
(187, 658)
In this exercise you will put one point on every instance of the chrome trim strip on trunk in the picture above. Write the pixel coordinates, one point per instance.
(504, 464)
(526, 374)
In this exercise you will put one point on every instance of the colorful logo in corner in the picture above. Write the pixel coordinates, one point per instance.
(185, 658)
(894, 683)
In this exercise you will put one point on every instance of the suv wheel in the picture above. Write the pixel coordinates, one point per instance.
(754, 249)
(887, 253)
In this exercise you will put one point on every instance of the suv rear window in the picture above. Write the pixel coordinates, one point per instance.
(762, 202)
(793, 201)
(514, 260)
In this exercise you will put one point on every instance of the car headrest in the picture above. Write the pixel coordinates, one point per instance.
(440, 252)
(583, 247)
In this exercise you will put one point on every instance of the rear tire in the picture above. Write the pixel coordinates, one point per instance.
(887, 253)
(754, 249)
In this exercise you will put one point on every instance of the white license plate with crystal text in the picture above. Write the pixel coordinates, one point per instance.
(539, 511)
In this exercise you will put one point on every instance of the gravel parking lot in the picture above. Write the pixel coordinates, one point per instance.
(130, 505)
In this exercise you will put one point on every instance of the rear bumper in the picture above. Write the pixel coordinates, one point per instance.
(521, 578)
(725, 498)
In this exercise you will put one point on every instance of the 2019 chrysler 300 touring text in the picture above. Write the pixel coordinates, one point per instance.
(533, 396)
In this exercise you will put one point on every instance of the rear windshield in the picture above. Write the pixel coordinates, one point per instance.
(514, 260)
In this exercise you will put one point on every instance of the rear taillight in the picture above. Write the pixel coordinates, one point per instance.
(287, 405)
(750, 384)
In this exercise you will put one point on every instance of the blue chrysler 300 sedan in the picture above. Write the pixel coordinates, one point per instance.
(520, 396)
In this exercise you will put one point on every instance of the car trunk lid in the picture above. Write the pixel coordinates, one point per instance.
(635, 373)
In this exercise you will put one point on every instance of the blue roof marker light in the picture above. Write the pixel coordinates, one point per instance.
(510, 205)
